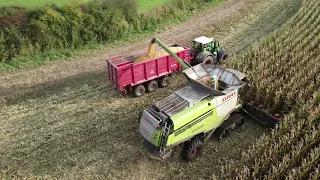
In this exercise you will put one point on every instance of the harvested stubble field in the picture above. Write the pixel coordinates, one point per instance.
(75, 125)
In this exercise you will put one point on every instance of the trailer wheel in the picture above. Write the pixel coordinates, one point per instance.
(139, 90)
(192, 149)
(152, 86)
(164, 81)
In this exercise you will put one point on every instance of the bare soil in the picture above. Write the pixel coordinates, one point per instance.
(65, 120)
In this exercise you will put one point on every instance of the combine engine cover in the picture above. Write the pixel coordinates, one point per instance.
(155, 122)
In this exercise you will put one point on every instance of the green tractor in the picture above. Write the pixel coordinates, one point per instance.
(207, 51)
(188, 117)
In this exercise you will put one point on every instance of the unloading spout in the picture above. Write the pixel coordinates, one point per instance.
(175, 57)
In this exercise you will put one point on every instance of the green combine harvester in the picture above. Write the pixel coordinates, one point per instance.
(208, 105)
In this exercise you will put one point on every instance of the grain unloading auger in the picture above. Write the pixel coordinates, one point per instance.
(208, 105)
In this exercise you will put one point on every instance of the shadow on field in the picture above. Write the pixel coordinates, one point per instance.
(69, 123)
(55, 140)
(75, 125)
(16, 95)
(94, 143)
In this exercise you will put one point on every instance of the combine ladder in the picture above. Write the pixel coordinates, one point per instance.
(164, 151)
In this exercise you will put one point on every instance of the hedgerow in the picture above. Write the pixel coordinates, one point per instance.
(28, 32)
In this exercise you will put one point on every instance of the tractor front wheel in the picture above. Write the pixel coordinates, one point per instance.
(139, 90)
(152, 86)
(192, 149)
(222, 56)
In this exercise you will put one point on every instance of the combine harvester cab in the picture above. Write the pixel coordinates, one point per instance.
(208, 105)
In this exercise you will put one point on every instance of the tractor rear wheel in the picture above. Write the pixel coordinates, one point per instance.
(152, 86)
(139, 90)
(164, 81)
(192, 149)
(208, 60)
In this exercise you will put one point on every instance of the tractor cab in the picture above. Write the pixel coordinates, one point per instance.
(206, 50)
(203, 44)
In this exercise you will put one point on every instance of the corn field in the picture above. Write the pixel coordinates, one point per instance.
(284, 66)
(285, 71)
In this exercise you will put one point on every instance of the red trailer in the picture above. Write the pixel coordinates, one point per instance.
(144, 76)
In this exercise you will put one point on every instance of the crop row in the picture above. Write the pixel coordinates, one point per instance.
(284, 67)
(292, 149)
(285, 72)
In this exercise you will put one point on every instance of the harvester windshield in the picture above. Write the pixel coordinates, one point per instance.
(202, 42)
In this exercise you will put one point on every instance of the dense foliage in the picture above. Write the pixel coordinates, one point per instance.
(28, 32)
